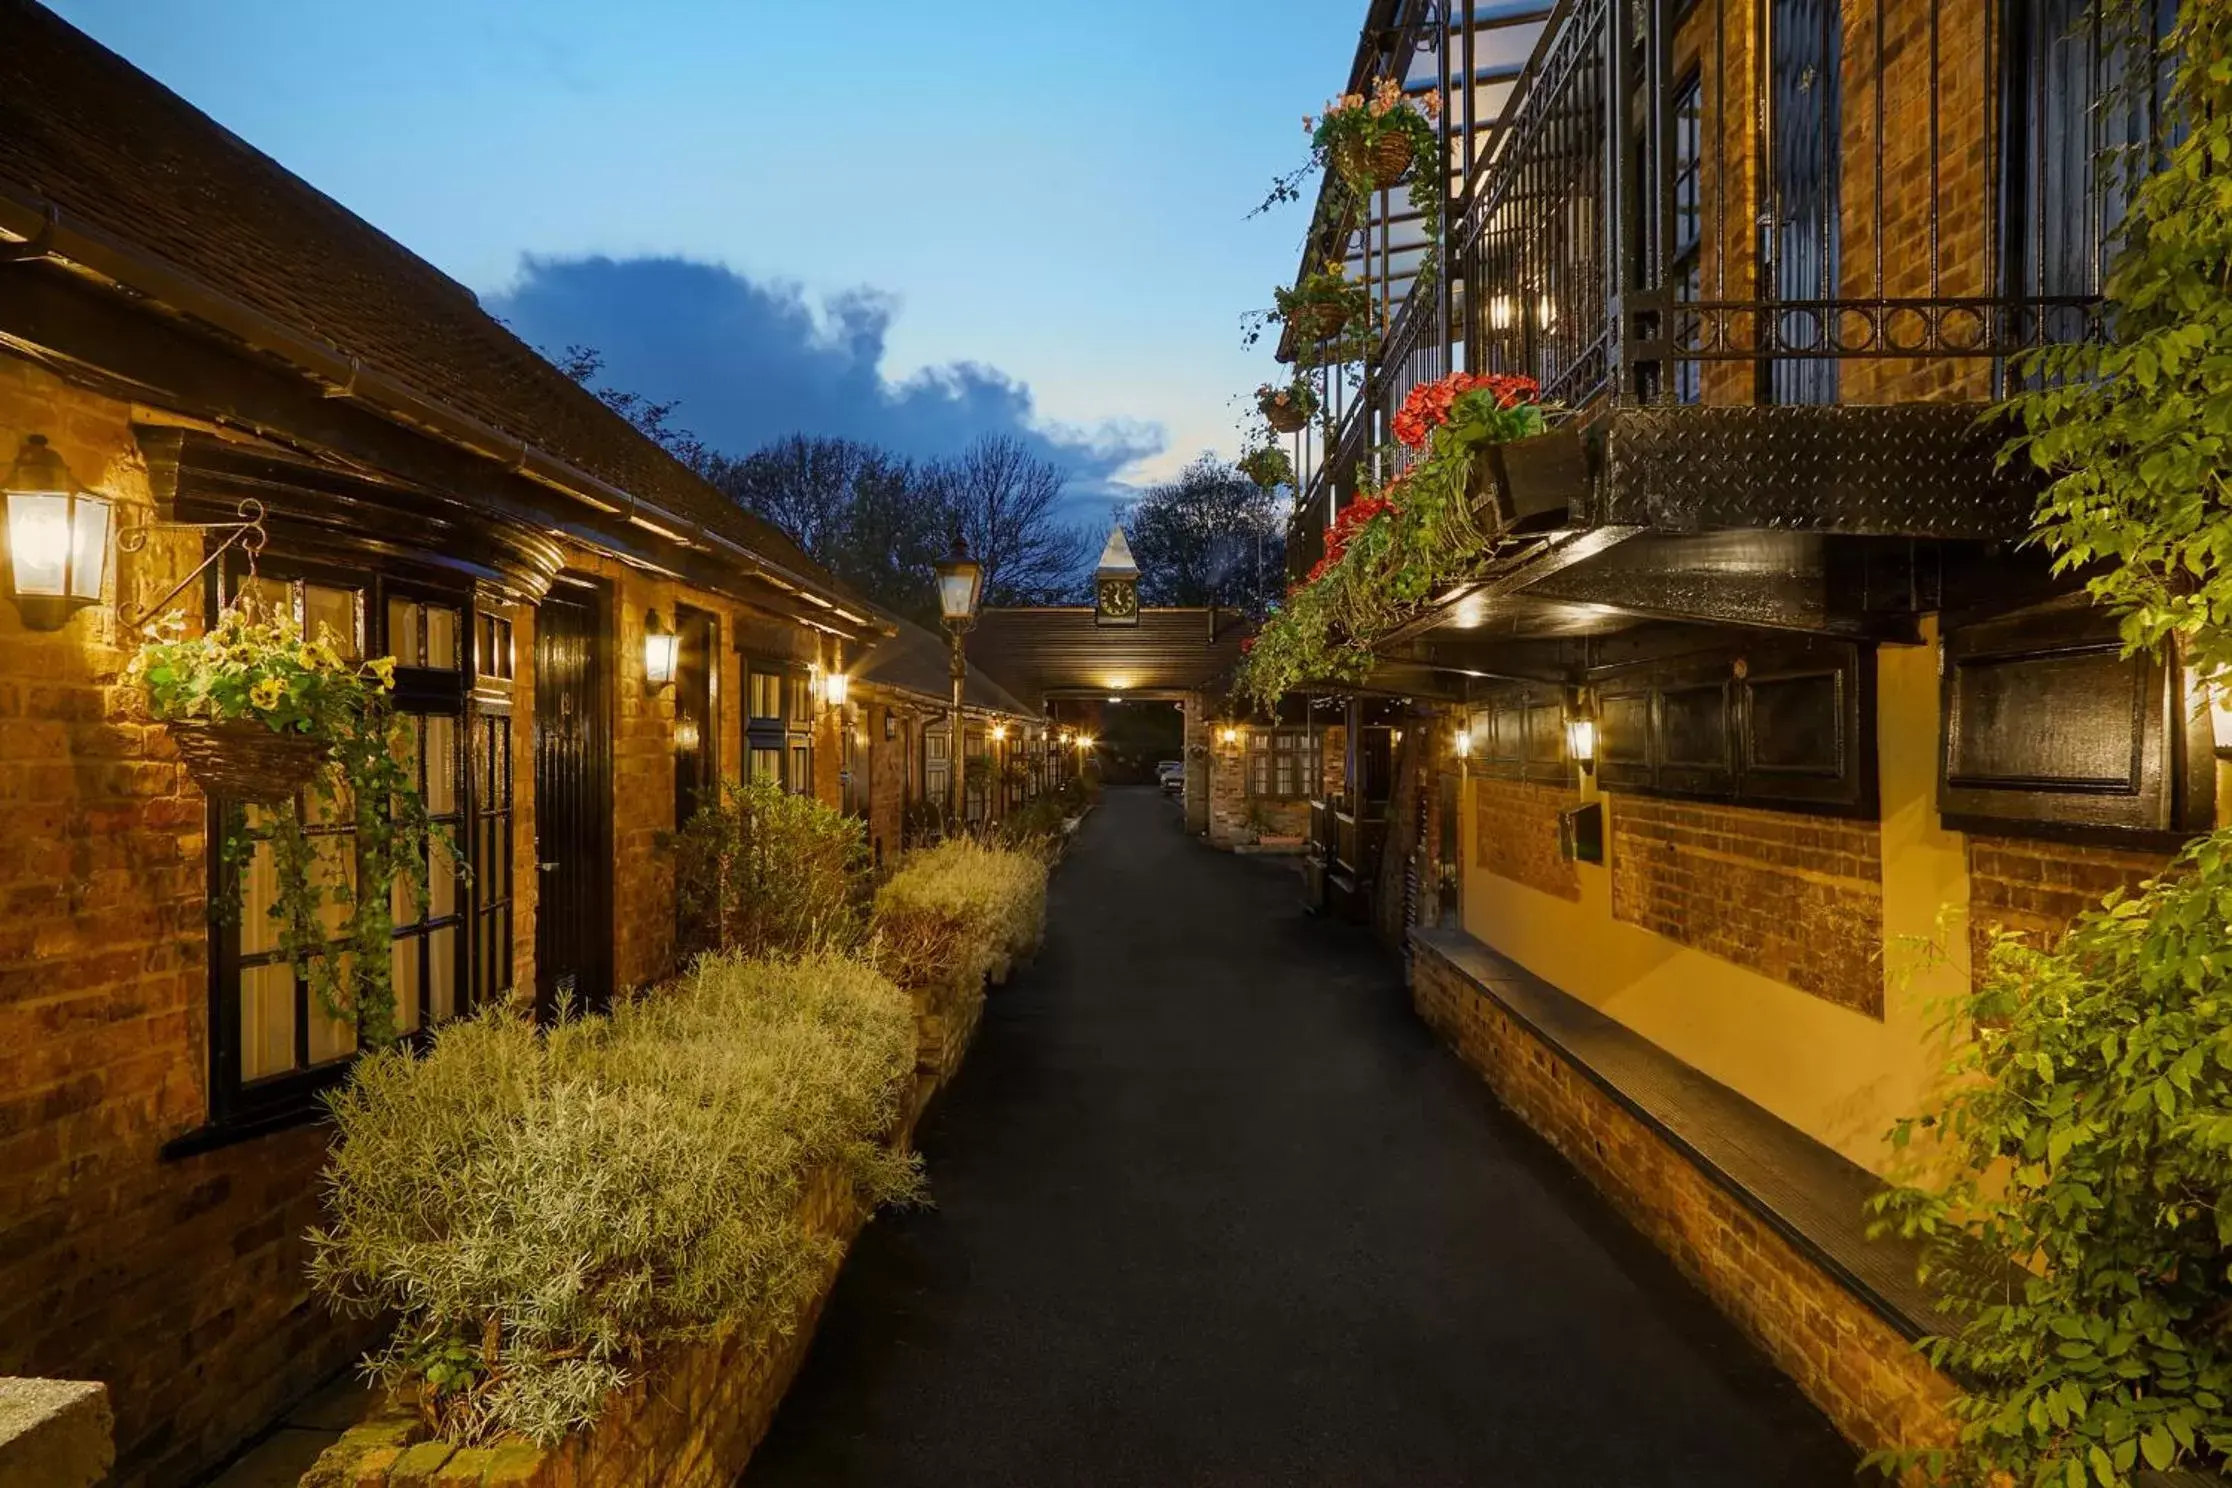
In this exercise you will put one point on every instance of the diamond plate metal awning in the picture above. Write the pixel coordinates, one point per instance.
(1925, 470)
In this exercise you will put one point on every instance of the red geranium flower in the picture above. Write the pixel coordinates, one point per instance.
(1427, 407)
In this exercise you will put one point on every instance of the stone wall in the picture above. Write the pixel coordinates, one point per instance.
(1796, 898)
(1862, 1373)
(1515, 824)
(2037, 887)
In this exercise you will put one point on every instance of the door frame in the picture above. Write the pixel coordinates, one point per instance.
(596, 985)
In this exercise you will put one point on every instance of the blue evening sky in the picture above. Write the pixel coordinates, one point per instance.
(949, 216)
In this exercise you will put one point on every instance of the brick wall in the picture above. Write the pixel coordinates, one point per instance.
(886, 773)
(692, 1421)
(2037, 887)
(1237, 819)
(1795, 898)
(1515, 834)
(1852, 1364)
(179, 1283)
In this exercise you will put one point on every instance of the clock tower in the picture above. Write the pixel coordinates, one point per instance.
(1116, 583)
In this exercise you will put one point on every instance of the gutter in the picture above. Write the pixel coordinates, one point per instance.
(48, 232)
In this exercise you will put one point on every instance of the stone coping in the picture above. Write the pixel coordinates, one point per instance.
(55, 1433)
(1814, 1197)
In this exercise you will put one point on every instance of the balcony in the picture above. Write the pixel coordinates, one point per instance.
(1772, 261)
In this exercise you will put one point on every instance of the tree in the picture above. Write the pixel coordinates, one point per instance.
(583, 363)
(1212, 536)
(873, 519)
(1003, 501)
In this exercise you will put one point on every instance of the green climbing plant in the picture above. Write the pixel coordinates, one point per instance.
(254, 666)
(2084, 1241)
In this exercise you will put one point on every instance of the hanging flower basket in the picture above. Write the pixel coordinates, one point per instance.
(1378, 163)
(245, 761)
(1287, 417)
(1318, 322)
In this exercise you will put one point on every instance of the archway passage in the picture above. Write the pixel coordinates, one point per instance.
(1213, 1207)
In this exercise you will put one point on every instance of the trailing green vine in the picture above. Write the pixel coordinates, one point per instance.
(256, 668)
(1394, 548)
(2084, 1242)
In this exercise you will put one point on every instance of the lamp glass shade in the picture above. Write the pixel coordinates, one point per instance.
(960, 577)
(836, 688)
(1581, 740)
(39, 545)
(660, 649)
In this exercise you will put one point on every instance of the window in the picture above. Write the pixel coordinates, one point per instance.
(767, 696)
(1800, 219)
(779, 733)
(2064, 195)
(1685, 272)
(273, 1046)
(1282, 763)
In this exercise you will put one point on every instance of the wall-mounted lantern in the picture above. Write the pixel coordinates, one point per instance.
(1581, 731)
(1229, 736)
(1460, 741)
(661, 648)
(687, 735)
(58, 537)
(836, 689)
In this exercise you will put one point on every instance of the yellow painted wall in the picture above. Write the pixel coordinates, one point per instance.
(1838, 1075)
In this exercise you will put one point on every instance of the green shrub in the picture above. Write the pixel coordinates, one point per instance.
(762, 872)
(1035, 828)
(998, 894)
(538, 1212)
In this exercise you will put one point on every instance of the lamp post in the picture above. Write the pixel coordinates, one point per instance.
(960, 586)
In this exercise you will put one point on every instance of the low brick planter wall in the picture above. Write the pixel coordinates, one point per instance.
(1863, 1373)
(692, 1420)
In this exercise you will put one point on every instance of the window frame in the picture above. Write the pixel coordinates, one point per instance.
(1303, 747)
(238, 1107)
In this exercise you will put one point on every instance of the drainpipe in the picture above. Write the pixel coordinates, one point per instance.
(50, 233)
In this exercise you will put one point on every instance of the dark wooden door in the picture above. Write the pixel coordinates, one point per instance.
(696, 725)
(573, 804)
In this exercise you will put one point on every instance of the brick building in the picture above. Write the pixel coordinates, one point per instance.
(190, 327)
(1753, 694)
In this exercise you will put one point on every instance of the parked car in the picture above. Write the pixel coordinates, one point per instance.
(1171, 774)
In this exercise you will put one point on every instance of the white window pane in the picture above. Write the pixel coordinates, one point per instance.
(441, 764)
(330, 1038)
(403, 631)
(403, 965)
(259, 890)
(325, 610)
(441, 637)
(266, 1021)
(441, 889)
(441, 974)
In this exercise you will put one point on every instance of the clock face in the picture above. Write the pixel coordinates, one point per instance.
(1119, 599)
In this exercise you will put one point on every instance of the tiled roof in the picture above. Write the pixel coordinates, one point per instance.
(113, 148)
(916, 661)
(1034, 652)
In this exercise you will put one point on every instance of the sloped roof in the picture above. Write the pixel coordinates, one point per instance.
(1041, 651)
(914, 660)
(84, 130)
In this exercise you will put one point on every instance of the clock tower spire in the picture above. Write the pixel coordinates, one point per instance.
(1116, 582)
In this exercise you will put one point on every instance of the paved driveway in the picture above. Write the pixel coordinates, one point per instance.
(1214, 1208)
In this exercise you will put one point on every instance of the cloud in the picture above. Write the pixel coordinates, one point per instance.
(752, 362)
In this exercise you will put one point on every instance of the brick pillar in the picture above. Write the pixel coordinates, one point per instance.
(1197, 763)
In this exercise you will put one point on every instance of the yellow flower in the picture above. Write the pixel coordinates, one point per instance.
(384, 670)
(305, 658)
(267, 693)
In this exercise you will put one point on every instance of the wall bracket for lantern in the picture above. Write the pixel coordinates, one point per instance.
(247, 534)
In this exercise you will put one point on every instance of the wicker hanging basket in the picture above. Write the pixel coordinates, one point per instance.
(247, 762)
(1317, 321)
(1287, 417)
(1379, 164)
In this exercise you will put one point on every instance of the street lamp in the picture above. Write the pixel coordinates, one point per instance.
(58, 537)
(960, 586)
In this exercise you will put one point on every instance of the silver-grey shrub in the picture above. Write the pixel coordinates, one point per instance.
(539, 1211)
(998, 894)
